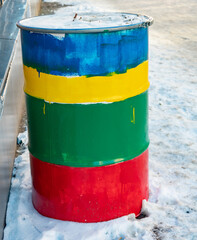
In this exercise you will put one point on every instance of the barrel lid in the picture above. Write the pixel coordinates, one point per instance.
(85, 22)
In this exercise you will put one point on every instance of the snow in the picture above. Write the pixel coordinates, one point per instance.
(83, 20)
(171, 212)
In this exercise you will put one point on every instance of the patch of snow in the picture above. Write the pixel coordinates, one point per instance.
(22, 141)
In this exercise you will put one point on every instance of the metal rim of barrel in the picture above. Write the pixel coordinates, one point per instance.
(145, 24)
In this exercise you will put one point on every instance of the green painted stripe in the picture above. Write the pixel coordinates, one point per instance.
(89, 135)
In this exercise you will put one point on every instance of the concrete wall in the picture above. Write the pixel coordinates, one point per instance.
(12, 104)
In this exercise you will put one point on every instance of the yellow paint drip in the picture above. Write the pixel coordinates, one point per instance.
(82, 89)
(44, 109)
(133, 115)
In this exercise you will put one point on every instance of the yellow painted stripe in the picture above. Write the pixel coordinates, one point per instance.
(61, 89)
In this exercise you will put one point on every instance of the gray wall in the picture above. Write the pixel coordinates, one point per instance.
(9, 122)
(12, 96)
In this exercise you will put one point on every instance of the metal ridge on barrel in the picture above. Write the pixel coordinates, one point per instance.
(87, 108)
(62, 89)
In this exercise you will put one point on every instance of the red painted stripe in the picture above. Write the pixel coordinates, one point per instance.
(90, 194)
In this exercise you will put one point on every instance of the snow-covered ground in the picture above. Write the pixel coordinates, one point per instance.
(171, 213)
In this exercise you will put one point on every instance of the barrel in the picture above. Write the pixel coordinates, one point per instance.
(86, 86)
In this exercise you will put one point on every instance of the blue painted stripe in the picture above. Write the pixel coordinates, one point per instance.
(85, 54)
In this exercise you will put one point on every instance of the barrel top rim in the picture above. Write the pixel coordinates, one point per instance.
(147, 21)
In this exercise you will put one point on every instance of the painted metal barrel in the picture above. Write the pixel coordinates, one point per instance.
(86, 85)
